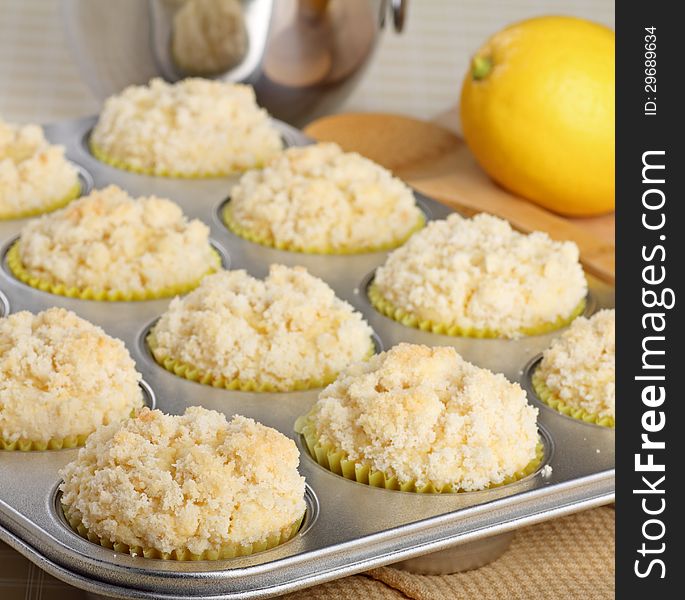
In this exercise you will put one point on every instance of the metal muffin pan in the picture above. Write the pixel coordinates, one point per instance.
(349, 527)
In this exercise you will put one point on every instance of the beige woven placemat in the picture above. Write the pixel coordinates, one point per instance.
(568, 558)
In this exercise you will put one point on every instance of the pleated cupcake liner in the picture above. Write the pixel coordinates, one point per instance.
(264, 240)
(226, 551)
(387, 308)
(72, 194)
(121, 164)
(88, 293)
(546, 395)
(192, 373)
(55, 443)
(336, 461)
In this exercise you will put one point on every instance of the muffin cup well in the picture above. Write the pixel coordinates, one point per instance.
(336, 461)
(73, 193)
(387, 308)
(117, 163)
(226, 551)
(19, 271)
(262, 240)
(546, 395)
(192, 373)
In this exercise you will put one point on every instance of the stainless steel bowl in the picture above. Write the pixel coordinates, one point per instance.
(303, 57)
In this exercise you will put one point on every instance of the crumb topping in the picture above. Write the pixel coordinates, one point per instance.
(61, 376)
(195, 481)
(426, 415)
(579, 367)
(479, 273)
(110, 241)
(286, 328)
(34, 174)
(319, 197)
(192, 127)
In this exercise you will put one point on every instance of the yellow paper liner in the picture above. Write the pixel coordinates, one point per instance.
(70, 441)
(336, 461)
(191, 373)
(264, 240)
(387, 308)
(19, 271)
(72, 194)
(225, 552)
(546, 395)
(26, 445)
(117, 163)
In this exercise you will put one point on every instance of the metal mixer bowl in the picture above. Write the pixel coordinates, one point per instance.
(303, 57)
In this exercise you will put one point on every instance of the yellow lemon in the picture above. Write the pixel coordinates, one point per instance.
(537, 110)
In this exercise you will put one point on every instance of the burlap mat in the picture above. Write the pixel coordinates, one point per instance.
(568, 558)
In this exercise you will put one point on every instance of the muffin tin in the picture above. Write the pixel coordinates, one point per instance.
(349, 527)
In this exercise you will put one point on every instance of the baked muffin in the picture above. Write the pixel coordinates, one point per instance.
(286, 332)
(187, 487)
(109, 246)
(61, 378)
(35, 177)
(423, 419)
(480, 278)
(193, 128)
(320, 199)
(577, 373)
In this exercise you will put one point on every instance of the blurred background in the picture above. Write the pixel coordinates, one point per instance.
(417, 73)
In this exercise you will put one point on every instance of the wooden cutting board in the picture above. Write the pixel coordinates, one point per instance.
(435, 161)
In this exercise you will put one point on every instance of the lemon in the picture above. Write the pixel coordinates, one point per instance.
(537, 111)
